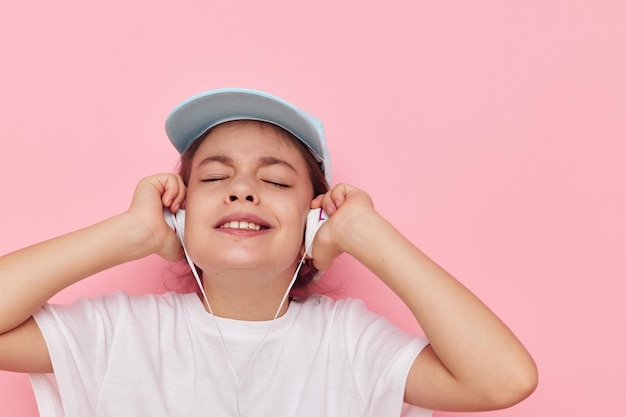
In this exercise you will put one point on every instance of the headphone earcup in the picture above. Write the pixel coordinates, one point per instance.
(314, 221)
(176, 222)
(180, 224)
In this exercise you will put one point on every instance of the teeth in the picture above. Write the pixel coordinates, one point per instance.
(241, 225)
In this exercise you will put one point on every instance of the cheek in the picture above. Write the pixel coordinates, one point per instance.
(298, 226)
(192, 235)
(197, 221)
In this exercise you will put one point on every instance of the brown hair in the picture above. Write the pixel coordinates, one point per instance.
(318, 180)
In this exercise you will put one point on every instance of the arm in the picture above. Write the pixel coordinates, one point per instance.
(31, 276)
(473, 362)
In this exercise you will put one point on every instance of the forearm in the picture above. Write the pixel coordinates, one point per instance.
(472, 343)
(31, 276)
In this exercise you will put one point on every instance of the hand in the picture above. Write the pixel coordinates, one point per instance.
(348, 208)
(151, 195)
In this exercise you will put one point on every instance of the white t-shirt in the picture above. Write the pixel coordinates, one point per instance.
(162, 356)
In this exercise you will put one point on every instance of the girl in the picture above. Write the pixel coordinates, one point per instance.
(252, 168)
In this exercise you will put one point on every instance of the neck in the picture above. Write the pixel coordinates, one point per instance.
(242, 295)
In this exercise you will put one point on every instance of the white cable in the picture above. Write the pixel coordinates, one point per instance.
(239, 382)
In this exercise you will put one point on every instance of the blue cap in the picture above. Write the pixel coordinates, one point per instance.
(194, 116)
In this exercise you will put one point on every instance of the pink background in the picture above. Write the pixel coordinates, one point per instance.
(493, 133)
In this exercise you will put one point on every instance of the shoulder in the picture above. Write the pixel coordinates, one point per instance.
(355, 323)
(321, 304)
(94, 323)
(123, 299)
(110, 307)
(346, 314)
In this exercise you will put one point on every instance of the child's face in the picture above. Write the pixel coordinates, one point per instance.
(248, 196)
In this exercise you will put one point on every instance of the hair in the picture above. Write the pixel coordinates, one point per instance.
(301, 288)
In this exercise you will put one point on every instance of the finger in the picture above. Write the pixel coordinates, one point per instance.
(328, 204)
(333, 199)
(317, 201)
(338, 194)
(171, 190)
(180, 196)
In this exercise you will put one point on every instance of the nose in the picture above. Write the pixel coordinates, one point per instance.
(242, 190)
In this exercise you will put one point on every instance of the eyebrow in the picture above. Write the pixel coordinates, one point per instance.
(264, 161)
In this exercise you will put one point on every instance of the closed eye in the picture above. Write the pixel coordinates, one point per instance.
(213, 179)
(276, 184)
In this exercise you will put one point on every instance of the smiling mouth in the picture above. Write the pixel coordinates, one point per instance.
(241, 225)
